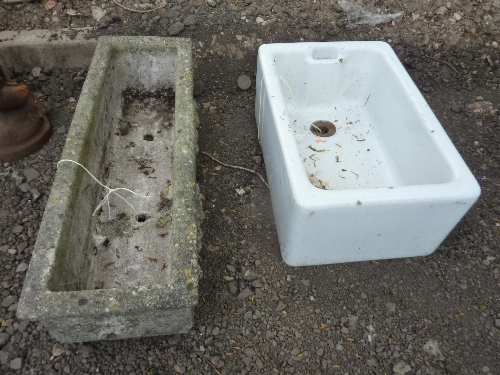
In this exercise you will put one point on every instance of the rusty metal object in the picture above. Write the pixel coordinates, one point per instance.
(24, 128)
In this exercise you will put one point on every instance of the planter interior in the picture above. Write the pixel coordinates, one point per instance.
(132, 147)
(129, 270)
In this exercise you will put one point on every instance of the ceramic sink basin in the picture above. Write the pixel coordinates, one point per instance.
(359, 167)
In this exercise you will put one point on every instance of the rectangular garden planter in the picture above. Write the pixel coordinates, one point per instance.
(128, 269)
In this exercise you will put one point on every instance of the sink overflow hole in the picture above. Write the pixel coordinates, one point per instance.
(323, 128)
(148, 137)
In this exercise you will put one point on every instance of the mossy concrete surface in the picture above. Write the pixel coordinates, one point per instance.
(62, 254)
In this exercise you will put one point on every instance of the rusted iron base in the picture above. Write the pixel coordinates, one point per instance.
(24, 128)
(13, 151)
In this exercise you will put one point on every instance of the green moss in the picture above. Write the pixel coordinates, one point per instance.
(88, 123)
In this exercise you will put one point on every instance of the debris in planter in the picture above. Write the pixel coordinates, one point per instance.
(123, 127)
(164, 222)
(165, 203)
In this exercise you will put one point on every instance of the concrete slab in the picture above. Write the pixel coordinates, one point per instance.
(69, 48)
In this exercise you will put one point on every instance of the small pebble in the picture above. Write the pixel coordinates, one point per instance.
(17, 229)
(281, 306)
(18, 177)
(190, 20)
(36, 71)
(31, 174)
(16, 364)
(175, 29)
(179, 369)
(57, 350)
(244, 82)
(401, 368)
(22, 267)
(9, 300)
(391, 306)
(4, 338)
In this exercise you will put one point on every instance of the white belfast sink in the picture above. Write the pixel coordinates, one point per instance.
(388, 184)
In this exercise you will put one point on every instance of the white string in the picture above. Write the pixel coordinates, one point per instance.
(108, 189)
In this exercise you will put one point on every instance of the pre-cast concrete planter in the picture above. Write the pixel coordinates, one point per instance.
(122, 273)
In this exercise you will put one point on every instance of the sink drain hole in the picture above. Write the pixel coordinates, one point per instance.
(148, 137)
(141, 218)
(323, 128)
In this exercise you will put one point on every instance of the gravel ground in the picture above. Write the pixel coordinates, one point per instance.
(433, 315)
